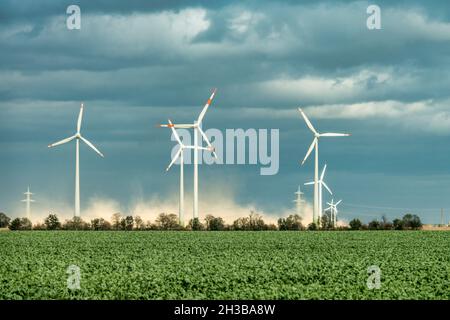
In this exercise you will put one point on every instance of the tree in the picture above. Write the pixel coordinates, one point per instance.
(116, 219)
(15, 224)
(374, 225)
(25, 224)
(39, 226)
(256, 222)
(76, 223)
(139, 223)
(151, 226)
(127, 223)
(214, 223)
(411, 221)
(20, 224)
(355, 224)
(167, 222)
(52, 222)
(100, 224)
(312, 226)
(240, 224)
(326, 222)
(4, 220)
(195, 225)
(292, 222)
(398, 224)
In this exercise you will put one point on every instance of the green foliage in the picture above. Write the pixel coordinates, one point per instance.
(293, 222)
(76, 223)
(397, 224)
(52, 222)
(374, 225)
(20, 224)
(355, 224)
(167, 222)
(195, 225)
(225, 265)
(254, 222)
(214, 223)
(326, 222)
(4, 220)
(100, 224)
(312, 226)
(411, 221)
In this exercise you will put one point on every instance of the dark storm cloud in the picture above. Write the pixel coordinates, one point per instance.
(138, 58)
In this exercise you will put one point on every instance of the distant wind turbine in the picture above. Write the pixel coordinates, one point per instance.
(315, 145)
(321, 183)
(197, 130)
(28, 201)
(77, 136)
(180, 155)
(333, 209)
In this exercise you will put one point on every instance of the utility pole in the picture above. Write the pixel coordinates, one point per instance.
(298, 201)
(28, 201)
(442, 217)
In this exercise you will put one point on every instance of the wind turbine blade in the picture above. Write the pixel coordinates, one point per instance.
(92, 146)
(175, 133)
(61, 142)
(199, 148)
(309, 183)
(335, 134)
(205, 108)
(308, 123)
(207, 142)
(326, 187)
(338, 202)
(80, 118)
(323, 172)
(329, 208)
(174, 158)
(311, 147)
(184, 126)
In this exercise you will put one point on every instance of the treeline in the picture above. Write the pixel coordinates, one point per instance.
(408, 222)
(164, 221)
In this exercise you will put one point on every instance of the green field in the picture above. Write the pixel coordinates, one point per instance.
(225, 265)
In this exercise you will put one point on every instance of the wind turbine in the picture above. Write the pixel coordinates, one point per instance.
(197, 130)
(321, 183)
(298, 201)
(28, 201)
(333, 209)
(77, 136)
(180, 155)
(315, 145)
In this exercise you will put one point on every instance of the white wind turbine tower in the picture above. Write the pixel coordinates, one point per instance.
(198, 130)
(321, 183)
(28, 201)
(299, 201)
(77, 136)
(315, 145)
(180, 155)
(333, 209)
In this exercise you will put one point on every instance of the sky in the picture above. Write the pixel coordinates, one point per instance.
(135, 64)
